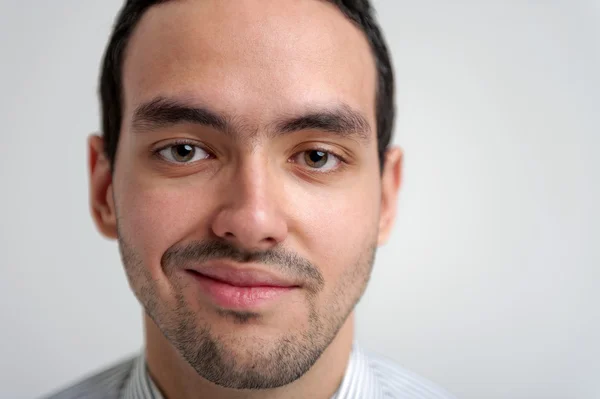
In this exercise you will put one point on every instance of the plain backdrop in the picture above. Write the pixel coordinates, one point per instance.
(490, 283)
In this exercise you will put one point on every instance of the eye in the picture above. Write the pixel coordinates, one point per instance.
(320, 160)
(183, 153)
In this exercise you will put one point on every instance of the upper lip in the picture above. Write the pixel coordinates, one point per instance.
(246, 276)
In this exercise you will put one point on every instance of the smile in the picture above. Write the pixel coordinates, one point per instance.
(242, 290)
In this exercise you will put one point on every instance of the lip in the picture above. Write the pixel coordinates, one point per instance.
(242, 277)
(232, 287)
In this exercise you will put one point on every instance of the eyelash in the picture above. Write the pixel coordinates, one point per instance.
(156, 152)
(342, 160)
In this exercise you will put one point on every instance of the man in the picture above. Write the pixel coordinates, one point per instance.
(245, 170)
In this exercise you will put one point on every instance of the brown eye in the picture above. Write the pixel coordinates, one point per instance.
(183, 153)
(318, 160)
(315, 158)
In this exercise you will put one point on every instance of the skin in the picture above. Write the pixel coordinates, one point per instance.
(249, 188)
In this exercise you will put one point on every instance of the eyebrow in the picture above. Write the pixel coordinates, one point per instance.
(163, 112)
(341, 119)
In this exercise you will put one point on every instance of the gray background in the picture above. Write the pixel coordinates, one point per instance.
(489, 285)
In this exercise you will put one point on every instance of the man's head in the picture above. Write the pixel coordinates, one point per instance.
(246, 141)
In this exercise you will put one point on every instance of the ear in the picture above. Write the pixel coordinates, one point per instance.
(391, 180)
(102, 204)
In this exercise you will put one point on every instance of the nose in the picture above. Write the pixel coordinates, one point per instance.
(249, 216)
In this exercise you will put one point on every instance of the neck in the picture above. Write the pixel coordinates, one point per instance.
(175, 378)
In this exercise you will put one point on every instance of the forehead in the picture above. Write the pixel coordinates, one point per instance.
(255, 59)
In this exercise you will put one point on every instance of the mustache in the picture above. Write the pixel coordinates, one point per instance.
(277, 258)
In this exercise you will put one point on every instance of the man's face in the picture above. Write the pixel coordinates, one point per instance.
(248, 152)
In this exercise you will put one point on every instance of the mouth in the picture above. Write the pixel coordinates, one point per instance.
(228, 288)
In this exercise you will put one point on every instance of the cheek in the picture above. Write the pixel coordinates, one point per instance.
(150, 211)
(152, 219)
(338, 228)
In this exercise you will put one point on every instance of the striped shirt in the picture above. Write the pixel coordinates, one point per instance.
(367, 377)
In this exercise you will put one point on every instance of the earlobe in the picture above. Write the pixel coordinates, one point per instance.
(102, 204)
(391, 181)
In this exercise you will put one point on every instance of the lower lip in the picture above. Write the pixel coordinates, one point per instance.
(233, 297)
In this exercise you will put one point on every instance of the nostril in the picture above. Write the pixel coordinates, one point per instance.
(270, 240)
(229, 234)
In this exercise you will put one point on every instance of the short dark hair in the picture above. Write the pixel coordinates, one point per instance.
(111, 85)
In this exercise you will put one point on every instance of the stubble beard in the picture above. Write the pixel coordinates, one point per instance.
(265, 363)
